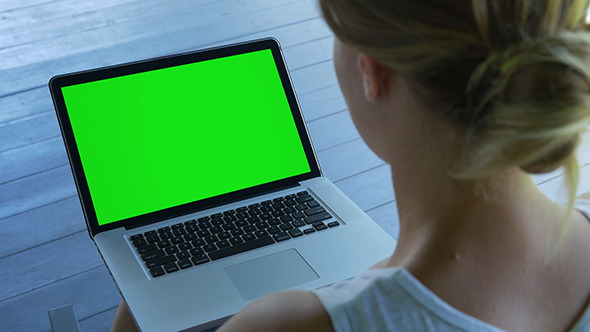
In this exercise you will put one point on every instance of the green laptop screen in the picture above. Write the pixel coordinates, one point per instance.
(162, 138)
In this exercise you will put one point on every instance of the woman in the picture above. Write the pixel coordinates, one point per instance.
(464, 99)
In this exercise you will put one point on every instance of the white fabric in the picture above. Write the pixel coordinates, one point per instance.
(393, 300)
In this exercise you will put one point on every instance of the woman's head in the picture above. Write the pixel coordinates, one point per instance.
(514, 75)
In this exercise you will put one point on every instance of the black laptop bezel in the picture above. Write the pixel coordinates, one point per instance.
(58, 82)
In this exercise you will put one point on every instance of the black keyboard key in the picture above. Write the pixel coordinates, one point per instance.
(199, 259)
(177, 240)
(315, 210)
(183, 255)
(190, 236)
(273, 230)
(229, 226)
(159, 261)
(153, 254)
(185, 246)
(235, 240)
(295, 232)
(253, 244)
(304, 192)
(164, 244)
(249, 228)
(164, 229)
(171, 267)
(241, 223)
(222, 244)
(175, 226)
(298, 215)
(192, 228)
(309, 231)
(136, 236)
(196, 251)
(286, 226)
(204, 224)
(275, 222)
(298, 223)
(261, 233)
(179, 231)
(150, 247)
(317, 217)
(166, 235)
(211, 239)
(157, 271)
(319, 226)
(248, 237)
(282, 236)
(216, 229)
(333, 224)
(210, 247)
(152, 238)
(301, 207)
(237, 232)
(261, 225)
(172, 250)
(224, 235)
(139, 242)
(304, 198)
(185, 264)
(312, 204)
(198, 242)
(203, 233)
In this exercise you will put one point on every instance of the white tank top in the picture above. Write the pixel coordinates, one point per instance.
(364, 303)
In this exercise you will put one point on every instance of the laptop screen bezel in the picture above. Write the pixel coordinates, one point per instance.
(58, 82)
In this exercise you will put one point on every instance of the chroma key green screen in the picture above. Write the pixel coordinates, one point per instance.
(158, 139)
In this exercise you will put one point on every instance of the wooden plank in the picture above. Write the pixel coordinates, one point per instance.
(322, 102)
(332, 130)
(36, 190)
(26, 131)
(32, 159)
(8, 6)
(41, 224)
(24, 104)
(48, 263)
(90, 292)
(347, 159)
(48, 20)
(369, 189)
(99, 46)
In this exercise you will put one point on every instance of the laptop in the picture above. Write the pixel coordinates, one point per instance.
(200, 186)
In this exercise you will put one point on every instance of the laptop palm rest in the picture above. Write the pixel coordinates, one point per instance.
(269, 274)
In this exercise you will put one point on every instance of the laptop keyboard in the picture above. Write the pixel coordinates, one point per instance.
(194, 242)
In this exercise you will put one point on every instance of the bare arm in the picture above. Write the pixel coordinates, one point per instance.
(285, 311)
(585, 195)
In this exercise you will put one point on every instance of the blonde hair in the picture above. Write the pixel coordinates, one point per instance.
(514, 74)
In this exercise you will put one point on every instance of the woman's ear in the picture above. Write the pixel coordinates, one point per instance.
(376, 77)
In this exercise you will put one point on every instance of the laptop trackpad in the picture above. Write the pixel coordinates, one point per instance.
(269, 274)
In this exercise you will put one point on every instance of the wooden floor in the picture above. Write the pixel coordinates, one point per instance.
(46, 257)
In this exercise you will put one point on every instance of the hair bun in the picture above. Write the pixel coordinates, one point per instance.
(530, 104)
